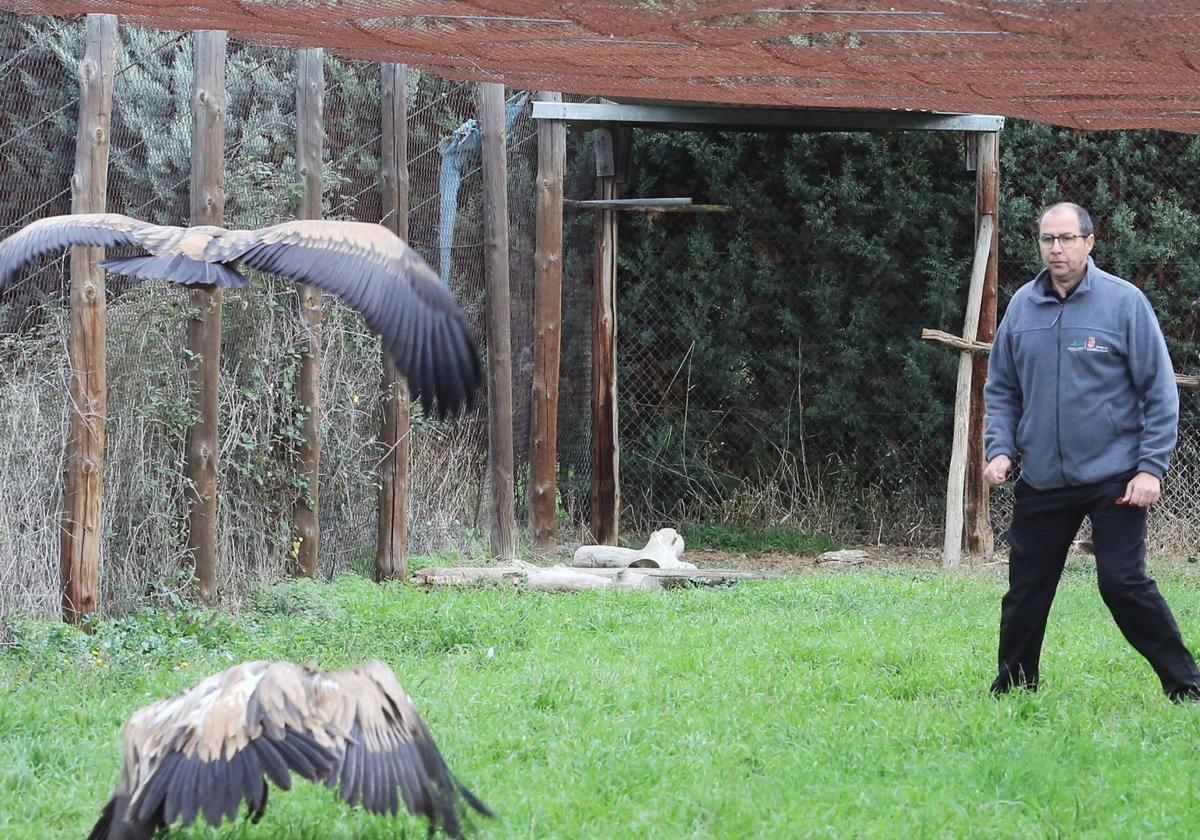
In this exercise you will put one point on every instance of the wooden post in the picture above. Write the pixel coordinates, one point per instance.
(547, 328)
(499, 339)
(391, 549)
(84, 480)
(310, 134)
(956, 481)
(978, 525)
(606, 488)
(204, 329)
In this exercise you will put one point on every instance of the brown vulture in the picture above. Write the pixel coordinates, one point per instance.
(366, 265)
(208, 748)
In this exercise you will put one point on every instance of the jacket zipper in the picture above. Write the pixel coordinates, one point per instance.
(1058, 390)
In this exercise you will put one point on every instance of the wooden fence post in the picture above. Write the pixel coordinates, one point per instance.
(499, 335)
(547, 328)
(978, 524)
(310, 136)
(84, 480)
(204, 330)
(606, 453)
(391, 549)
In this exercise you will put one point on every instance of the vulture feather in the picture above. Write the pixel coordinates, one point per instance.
(212, 747)
(367, 266)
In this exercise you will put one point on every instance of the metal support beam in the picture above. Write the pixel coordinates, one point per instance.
(716, 118)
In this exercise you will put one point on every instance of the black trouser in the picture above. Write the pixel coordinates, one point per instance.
(1044, 524)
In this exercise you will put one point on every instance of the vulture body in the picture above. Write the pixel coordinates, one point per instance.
(366, 265)
(215, 745)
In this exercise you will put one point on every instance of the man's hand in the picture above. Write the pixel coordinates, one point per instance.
(997, 470)
(1142, 490)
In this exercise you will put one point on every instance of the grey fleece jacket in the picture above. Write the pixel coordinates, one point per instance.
(1081, 389)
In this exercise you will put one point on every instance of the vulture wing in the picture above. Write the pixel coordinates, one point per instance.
(213, 746)
(388, 283)
(390, 749)
(56, 233)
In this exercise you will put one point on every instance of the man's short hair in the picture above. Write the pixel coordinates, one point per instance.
(1085, 219)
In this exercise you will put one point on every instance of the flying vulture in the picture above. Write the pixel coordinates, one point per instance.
(366, 265)
(214, 745)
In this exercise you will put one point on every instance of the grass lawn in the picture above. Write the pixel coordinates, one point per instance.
(836, 704)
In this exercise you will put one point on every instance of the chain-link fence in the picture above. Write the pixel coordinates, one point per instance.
(770, 361)
(770, 366)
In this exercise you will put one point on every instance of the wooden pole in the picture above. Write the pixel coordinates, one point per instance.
(978, 524)
(547, 329)
(84, 480)
(606, 489)
(499, 339)
(204, 329)
(391, 550)
(956, 481)
(310, 134)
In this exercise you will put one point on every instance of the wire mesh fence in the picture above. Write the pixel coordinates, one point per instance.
(770, 367)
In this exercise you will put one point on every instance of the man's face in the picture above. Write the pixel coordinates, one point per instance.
(1066, 260)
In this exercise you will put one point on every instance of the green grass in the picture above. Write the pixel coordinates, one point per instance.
(845, 704)
(749, 539)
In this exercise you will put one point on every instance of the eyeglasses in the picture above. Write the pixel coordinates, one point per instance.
(1067, 239)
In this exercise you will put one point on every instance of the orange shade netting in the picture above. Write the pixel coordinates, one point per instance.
(1087, 64)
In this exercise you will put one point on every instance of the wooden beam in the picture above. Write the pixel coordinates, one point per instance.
(310, 134)
(84, 482)
(1185, 382)
(499, 333)
(683, 117)
(606, 487)
(204, 329)
(391, 546)
(647, 205)
(956, 481)
(547, 328)
(977, 537)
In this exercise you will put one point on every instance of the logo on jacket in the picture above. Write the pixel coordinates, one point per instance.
(1090, 345)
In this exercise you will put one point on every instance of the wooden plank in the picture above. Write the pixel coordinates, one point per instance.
(977, 538)
(310, 136)
(955, 482)
(84, 480)
(586, 115)
(391, 546)
(647, 205)
(1186, 382)
(209, 101)
(547, 328)
(606, 488)
(499, 336)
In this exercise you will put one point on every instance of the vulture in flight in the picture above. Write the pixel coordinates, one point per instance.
(365, 265)
(214, 745)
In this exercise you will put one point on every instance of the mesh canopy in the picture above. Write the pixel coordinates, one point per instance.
(1097, 65)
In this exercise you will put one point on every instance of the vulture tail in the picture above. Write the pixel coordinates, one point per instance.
(115, 823)
(178, 269)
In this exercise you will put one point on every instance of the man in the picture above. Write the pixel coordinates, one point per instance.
(1080, 385)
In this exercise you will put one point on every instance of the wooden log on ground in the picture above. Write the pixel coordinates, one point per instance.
(84, 482)
(517, 574)
(310, 138)
(391, 544)
(490, 97)
(204, 328)
(663, 550)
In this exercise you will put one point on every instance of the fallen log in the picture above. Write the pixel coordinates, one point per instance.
(662, 551)
(626, 578)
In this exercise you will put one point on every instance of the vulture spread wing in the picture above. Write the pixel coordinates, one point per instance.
(57, 233)
(210, 748)
(398, 294)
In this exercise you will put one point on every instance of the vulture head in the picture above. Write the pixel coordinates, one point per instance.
(367, 266)
(215, 745)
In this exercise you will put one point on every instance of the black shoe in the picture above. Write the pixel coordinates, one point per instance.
(1187, 694)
